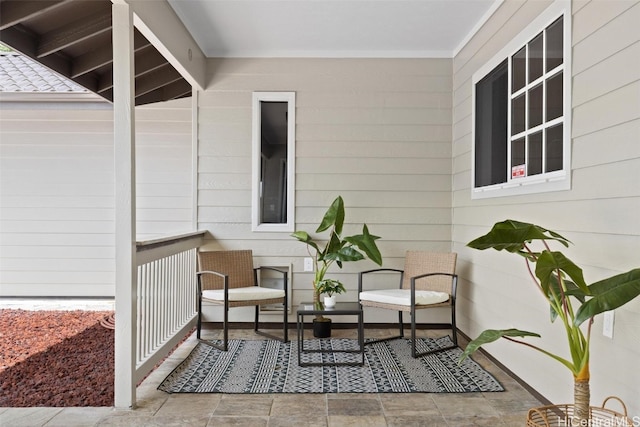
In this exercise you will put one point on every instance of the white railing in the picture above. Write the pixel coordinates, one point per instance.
(166, 297)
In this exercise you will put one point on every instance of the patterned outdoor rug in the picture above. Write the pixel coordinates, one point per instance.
(269, 366)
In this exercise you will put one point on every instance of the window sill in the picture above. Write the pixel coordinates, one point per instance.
(560, 182)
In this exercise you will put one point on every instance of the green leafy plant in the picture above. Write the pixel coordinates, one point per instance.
(337, 249)
(330, 287)
(571, 299)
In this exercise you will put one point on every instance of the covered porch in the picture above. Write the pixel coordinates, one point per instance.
(394, 136)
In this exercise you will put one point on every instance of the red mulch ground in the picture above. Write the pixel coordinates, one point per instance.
(55, 359)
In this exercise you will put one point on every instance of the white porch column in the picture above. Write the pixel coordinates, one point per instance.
(195, 112)
(125, 200)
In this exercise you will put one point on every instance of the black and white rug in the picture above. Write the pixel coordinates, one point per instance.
(269, 366)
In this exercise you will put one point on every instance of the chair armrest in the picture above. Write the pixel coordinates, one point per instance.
(376, 270)
(433, 274)
(454, 285)
(271, 268)
(199, 274)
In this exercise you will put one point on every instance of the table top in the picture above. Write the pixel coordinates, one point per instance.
(340, 308)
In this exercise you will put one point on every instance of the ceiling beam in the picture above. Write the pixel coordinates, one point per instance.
(105, 83)
(20, 39)
(175, 90)
(147, 60)
(103, 55)
(73, 33)
(178, 89)
(92, 60)
(13, 12)
(156, 79)
(108, 95)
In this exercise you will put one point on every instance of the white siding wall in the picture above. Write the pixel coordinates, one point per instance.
(57, 195)
(164, 169)
(377, 132)
(599, 214)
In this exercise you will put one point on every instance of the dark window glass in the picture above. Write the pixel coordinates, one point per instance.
(554, 148)
(536, 52)
(517, 152)
(554, 44)
(554, 97)
(534, 163)
(492, 94)
(535, 106)
(273, 172)
(518, 114)
(519, 70)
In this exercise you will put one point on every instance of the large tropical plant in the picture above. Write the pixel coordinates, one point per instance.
(337, 249)
(572, 301)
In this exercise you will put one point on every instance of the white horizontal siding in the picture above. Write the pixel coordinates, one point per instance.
(598, 214)
(596, 45)
(57, 192)
(621, 69)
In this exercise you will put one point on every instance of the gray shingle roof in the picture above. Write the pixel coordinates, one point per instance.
(20, 74)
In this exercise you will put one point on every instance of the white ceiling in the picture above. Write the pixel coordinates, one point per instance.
(333, 28)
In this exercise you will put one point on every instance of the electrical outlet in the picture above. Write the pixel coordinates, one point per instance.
(308, 264)
(607, 324)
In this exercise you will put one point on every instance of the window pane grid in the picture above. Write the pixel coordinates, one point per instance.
(521, 104)
(530, 126)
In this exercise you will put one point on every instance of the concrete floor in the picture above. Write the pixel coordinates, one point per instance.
(157, 408)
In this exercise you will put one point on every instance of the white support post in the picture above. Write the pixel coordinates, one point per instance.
(125, 200)
(194, 156)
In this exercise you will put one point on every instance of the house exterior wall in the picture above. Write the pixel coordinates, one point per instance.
(376, 131)
(57, 197)
(599, 214)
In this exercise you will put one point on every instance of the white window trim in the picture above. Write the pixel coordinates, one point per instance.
(290, 99)
(551, 181)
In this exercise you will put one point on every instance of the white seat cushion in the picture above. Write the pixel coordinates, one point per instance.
(403, 297)
(243, 294)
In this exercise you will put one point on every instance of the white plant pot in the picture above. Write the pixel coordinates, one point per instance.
(330, 301)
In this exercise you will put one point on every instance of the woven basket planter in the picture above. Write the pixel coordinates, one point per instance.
(562, 416)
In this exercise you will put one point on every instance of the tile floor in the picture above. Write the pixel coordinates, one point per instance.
(157, 408)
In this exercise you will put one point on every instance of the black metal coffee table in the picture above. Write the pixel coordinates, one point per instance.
(341, 308)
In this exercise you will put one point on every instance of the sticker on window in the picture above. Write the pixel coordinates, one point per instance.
(517, 171)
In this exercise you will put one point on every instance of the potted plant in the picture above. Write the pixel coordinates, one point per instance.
(330, 287)
(337, 249)
(571, 299)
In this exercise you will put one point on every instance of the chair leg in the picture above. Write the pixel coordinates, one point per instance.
(454, 328)
(413, 332)
(454, 338)
(285, 335)
(199, 326)
(225, 325)
(256, 318)
(285, 320)
(225, 330)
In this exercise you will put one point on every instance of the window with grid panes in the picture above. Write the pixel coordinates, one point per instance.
(520, 116)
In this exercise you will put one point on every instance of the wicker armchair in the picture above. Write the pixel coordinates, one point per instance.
(427, 281)
(228, 279)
